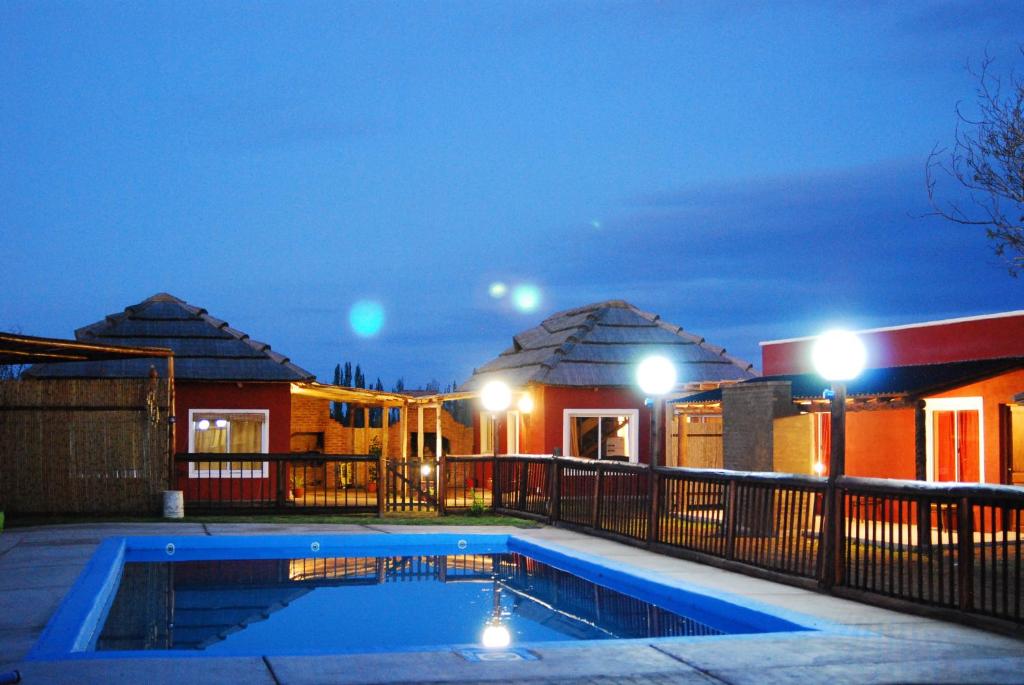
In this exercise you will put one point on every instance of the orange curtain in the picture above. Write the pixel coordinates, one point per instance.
(945, 445)
(967, 430)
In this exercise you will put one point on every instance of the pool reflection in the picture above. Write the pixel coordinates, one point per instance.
(371, 603)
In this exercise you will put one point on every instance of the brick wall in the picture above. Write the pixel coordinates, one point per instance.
(312, 415)
(748, 411)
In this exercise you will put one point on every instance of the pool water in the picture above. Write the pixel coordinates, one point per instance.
(360, 603)
(352, 594)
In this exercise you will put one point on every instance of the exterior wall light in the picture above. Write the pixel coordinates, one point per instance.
(525, 404)
(202, 424)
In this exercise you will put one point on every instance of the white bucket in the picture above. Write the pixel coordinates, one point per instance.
(174, 504)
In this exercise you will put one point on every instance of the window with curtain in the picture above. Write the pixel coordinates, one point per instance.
(601, 435)
(956, 446)
(228, 432)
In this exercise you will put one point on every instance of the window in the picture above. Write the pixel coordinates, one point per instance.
(228, 431)
(954, 438)
(601, 434)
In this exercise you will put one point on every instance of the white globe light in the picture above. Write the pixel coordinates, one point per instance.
(425, 470)
(656, 375)
(496, 396)
(203, 424)
(839, 355)
(496, 637)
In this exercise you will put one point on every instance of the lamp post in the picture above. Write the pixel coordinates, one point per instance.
(838, 356)
(496, 396)
(656, 376)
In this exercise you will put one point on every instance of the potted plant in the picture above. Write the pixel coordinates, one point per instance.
(298, 484)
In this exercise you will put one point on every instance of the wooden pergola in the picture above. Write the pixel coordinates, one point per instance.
(27, 349)
(389, 400)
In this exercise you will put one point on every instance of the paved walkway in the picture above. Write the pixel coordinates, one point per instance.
(39, 565)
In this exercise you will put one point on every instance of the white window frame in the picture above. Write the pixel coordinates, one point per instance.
(953, 404)
(634, 421)
(486, 439)
(512, 432)
(263, 472)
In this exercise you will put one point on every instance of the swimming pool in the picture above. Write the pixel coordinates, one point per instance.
(333, 594)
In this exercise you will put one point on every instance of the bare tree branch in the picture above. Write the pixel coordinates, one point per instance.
(987, 160)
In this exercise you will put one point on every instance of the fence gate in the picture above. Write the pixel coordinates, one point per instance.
(411, 485)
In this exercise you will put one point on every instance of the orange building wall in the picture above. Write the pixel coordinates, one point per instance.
(880, 444)
(994, 391)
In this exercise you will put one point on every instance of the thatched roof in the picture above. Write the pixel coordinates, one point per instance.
(600, 345)
(205, 348)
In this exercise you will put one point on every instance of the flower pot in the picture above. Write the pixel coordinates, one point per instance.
(298, 492)
(371, 487)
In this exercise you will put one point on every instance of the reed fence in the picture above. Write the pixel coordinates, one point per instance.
(72, 446)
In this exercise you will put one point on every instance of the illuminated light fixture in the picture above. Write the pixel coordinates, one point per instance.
(525, 404)
(656, 375)
(496, 396)
(839, 355)
(221, 423)
(425, 470)
(819, 468)
(496, 636)
(202, 425)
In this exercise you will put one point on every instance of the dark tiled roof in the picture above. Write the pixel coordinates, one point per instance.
(910, 381)
(205, 348)
(600, 345)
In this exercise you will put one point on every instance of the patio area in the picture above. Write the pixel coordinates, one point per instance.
(39, 565)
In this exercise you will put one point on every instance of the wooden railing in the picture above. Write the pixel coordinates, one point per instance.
(949, 546)
(278, 482)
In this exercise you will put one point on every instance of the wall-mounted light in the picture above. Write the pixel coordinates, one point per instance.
(202, 424)
(221, 423)
(525, 404)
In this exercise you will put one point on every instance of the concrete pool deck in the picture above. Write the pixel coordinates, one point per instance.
(39, 565)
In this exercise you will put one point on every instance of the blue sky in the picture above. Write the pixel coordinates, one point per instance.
(750, 171)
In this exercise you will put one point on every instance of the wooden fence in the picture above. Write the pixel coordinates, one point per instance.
(950, 547)
(83, 446)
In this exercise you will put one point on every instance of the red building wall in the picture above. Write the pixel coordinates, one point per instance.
(990, 337)
(274, 397)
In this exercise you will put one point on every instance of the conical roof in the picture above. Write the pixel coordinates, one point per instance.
(600, 345)
(205, 348)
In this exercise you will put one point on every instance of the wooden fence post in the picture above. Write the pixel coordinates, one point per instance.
(653, 506)
(524, 484)
(442, 485)
(383, 486)
(554, 490)
(965, 553)
(495, 484)
(730, 520)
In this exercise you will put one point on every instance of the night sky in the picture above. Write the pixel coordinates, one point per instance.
(750, 171)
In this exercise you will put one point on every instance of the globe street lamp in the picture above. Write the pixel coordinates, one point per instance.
(496, 396)
(838, 356)
(656, 376)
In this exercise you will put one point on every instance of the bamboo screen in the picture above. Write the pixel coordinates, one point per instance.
(83, 445)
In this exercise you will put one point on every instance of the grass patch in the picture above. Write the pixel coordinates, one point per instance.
(304, 519)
